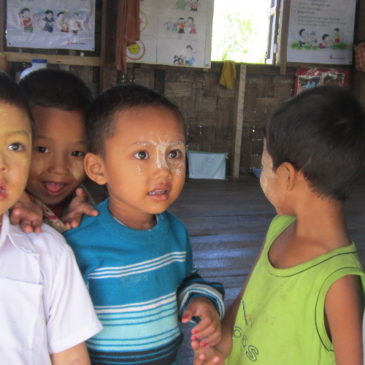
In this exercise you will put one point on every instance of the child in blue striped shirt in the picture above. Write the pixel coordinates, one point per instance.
(135, 256)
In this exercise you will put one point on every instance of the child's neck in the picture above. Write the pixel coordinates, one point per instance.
(323, 220)
(137, 224)
(319, 228)
(143, 223)
(131, 217)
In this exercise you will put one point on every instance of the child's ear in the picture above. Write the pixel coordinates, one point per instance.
(94, 168)
(288, 175)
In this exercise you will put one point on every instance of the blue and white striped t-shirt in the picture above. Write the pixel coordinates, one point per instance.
(139, 281)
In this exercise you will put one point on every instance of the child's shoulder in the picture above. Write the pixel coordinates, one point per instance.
(91, 223)
(278, 224)
(49, 242)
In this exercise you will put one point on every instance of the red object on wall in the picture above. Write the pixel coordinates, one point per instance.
(306, 78)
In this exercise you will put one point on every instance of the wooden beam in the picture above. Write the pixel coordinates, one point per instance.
(54, 59)
(2, 25)
(103, 45)
(284, 29)
(240, 102)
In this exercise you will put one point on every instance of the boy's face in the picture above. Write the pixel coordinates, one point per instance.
(15, 154)
(143, 164)
(59, 147)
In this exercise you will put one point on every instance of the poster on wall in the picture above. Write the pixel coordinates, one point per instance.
(51, 24)
(174, 32)
(321, 31)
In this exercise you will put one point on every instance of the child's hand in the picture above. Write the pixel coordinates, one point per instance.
(208, 331)
(208, 356)
(77, 208)
(27, 214)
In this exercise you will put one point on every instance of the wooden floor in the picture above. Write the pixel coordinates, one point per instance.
(227, 221)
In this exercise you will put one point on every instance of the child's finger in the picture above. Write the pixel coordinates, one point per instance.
(199, 358)
(30, 226)
(195, 345)
(81, 193)
(186, 316)
(26, 226)
(211, 340)
(72, 220)
(89, 210)
(206, 328)
(14, 217)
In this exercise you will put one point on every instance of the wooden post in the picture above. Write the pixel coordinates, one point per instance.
(284, 21)
(2, 25)
(103, 43)
(240, 102)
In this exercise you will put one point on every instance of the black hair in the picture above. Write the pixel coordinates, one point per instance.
(48, 12)
(56, 89)
(321, 132)
(24, 10)
(11, 93)
(101, 122)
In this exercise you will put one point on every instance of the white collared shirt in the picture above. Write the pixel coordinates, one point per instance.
(44, 304)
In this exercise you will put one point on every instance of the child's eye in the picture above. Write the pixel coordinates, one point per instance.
(175, 154)
(16, 147)
(77, 153)
(141, 155)
(42, 149)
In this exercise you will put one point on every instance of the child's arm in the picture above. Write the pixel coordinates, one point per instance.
(27, 214)
(192, 292)
(208, 330)
(217, 355)
(72, 356)
(344, 313)
(77, 208)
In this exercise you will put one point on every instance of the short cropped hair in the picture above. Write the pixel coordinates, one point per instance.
(101, 119)
(56, 89)
(321, 132)
(11, 93)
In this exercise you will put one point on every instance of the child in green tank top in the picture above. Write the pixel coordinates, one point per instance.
(304, 301)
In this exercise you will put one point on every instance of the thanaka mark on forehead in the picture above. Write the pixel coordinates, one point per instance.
(20, 131)
(148, 143)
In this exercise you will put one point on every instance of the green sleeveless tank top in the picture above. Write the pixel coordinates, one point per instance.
(280, 320)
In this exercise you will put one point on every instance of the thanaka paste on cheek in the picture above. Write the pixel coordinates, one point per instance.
(77, 170)
(139, 170)
(263, 182)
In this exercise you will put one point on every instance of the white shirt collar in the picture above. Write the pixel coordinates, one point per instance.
(14, 234)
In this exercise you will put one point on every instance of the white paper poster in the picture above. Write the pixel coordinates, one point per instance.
(174, 32)
(53, 24)
(321, 31)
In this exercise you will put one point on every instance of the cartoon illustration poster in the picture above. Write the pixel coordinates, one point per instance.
(174, 32)
(65, 24)
(321, 31)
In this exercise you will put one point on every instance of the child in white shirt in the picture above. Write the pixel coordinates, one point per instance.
(45, 311)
